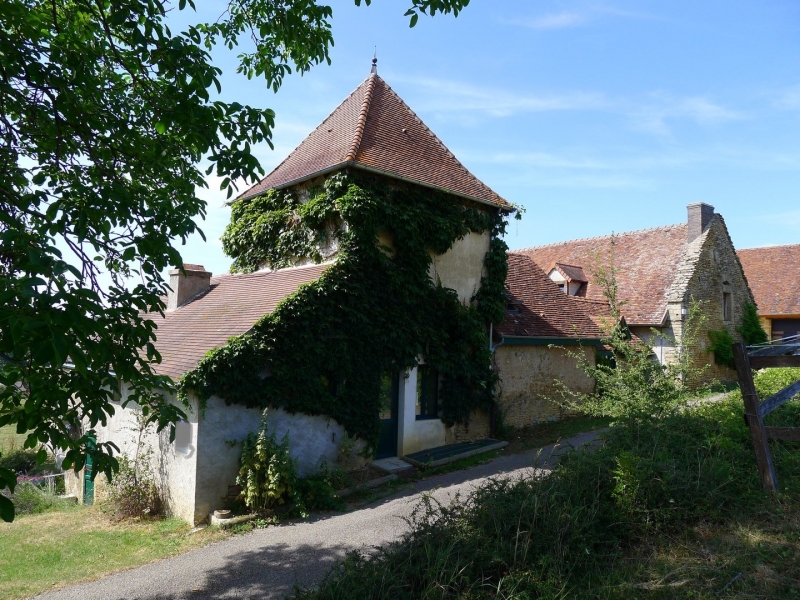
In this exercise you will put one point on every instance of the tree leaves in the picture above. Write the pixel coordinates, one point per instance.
(105, 117)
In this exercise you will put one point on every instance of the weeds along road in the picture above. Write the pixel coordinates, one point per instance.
(267, 563)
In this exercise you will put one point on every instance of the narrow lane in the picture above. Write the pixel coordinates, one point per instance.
(267, 563)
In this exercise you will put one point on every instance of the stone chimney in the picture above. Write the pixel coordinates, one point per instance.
(185, 287)
(700, 215)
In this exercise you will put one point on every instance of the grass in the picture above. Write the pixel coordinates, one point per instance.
(542, 434)
(55, 549)
(10, 439)
(666, 509)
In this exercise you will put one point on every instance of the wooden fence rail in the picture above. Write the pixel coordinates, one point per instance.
(754, 411)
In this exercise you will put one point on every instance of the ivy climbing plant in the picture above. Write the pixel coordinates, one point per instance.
(323, 350)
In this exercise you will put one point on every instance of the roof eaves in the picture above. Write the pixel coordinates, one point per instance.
(357, 165)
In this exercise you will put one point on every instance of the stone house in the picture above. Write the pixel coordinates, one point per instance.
(659, 272)
(536, 343)
(773, 273)
(374, 132)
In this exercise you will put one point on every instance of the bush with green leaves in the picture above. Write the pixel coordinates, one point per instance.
(21, 460)
(635, 387)
(750, 328)
(267, 472)
(721, 346)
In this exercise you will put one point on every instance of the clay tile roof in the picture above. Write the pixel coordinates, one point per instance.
(373, 129)
(646, 262)
(541, 309)
(774, 277)
(231, 307)
(572, 272)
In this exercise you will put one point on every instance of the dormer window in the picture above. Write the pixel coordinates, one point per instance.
(568, 278)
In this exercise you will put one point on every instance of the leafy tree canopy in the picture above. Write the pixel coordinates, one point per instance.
(105, 117)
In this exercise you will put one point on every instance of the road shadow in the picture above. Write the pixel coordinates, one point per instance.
(266, 573)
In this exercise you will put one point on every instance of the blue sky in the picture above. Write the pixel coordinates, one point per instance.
(594, 116)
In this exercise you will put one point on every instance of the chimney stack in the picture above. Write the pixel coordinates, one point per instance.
(185, 287)
(700, 215)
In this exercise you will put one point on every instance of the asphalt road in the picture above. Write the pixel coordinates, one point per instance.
(268, 563)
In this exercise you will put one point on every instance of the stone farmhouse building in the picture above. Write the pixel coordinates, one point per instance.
(371, 131)
(773, 273)
(659, 272)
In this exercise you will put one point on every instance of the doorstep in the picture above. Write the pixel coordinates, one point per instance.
(435, 457)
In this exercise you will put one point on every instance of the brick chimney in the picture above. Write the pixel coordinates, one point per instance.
(700, 215)
(185, 287)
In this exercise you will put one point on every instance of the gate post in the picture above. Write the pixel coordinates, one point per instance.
(766, 469)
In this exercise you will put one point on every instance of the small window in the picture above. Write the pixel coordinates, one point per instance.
(727, 307)
(563, 287)
(427, 392)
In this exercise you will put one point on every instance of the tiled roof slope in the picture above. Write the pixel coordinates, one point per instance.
(646, 263)
(374, 129)
(543, 309)
(572, 273)
(231, 307)
(774, 276)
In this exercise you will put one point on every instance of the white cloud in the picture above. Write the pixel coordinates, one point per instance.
(653, 116)
(441, 95)
(551, 21)
(788, 99)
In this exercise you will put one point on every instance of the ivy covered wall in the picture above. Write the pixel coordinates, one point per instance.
(374, 310)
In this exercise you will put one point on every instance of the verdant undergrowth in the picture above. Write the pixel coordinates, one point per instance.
(667, 509)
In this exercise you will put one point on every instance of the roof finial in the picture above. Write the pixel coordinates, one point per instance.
(374, 68)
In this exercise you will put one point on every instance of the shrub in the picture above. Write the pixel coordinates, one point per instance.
(133, 492)
(267, 473)
(32, 499)
(19, 461)
(721, 346)
(750, 328)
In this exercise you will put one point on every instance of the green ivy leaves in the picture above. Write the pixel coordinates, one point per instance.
(373, 311)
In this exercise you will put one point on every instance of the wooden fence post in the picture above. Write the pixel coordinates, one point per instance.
(766, 469)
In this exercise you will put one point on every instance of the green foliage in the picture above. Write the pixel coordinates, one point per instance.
(722, 346)
(267, 472)
(374, 311)
(635, 387)
(107, 115)
(750, 328)
(19, 461)
(33, 499)
(540, 536)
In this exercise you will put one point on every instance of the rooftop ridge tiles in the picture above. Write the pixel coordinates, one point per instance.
(599, 237)
(254, 274)
(775, 247)
(362, 118)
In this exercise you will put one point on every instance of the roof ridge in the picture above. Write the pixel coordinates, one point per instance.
(272, 272)
(598, 237)
(768, 247)
(296, 148)
(362, 118)
(439, 141)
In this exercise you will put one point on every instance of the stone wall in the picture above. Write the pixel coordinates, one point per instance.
(709, 269)
(478, 427)
(528, 376)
